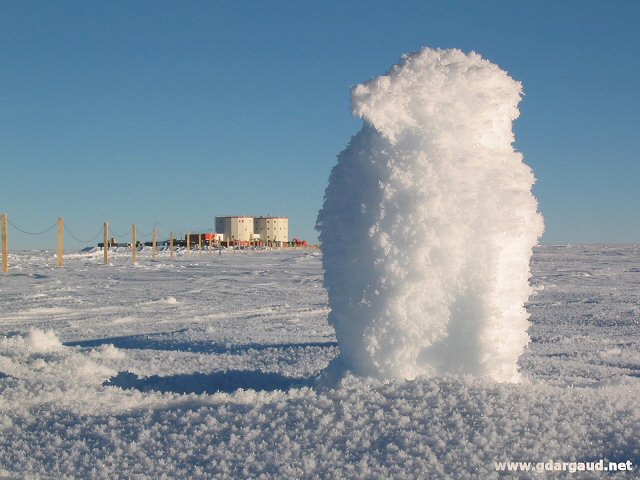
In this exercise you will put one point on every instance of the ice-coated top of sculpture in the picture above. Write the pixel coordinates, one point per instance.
(428, 224)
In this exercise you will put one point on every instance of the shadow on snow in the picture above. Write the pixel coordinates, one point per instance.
(225, 382)
(164, 342)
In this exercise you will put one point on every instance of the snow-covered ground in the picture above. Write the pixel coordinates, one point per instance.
(206, 366)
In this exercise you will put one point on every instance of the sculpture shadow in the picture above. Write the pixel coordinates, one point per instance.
(218, 382)
(164, 342)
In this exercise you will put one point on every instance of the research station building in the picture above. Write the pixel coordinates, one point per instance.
(270, 230)
(235, 229)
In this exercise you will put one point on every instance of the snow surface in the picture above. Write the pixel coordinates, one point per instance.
(428, 224)
(206, 367)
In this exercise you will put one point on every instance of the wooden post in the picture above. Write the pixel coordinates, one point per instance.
(5, 248)
(60, 240)
(106, 243)
(155, 242)
(199, 244)
(172, 253)
(133, 244)
(188, 243)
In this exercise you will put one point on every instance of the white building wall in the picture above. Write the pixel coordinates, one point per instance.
(272, 229)
(235, 228)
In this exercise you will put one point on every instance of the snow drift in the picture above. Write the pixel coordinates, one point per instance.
(428, 223)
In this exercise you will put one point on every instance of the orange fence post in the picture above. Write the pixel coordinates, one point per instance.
(60, 240)
(106, 243)
(133, 244)
(5, 248)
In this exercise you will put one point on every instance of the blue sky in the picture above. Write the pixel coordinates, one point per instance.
(169, 113)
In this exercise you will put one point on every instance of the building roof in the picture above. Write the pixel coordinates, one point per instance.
(252, 216)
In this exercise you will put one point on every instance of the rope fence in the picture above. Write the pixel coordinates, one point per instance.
(212, 242)
(86, 242)
(121, 234)
(31, 233)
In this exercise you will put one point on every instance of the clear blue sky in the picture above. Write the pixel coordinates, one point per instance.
(170, 113)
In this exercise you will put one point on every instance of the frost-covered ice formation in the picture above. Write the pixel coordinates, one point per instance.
(428, 223)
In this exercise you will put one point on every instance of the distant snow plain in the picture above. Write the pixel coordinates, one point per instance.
(207, 367)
